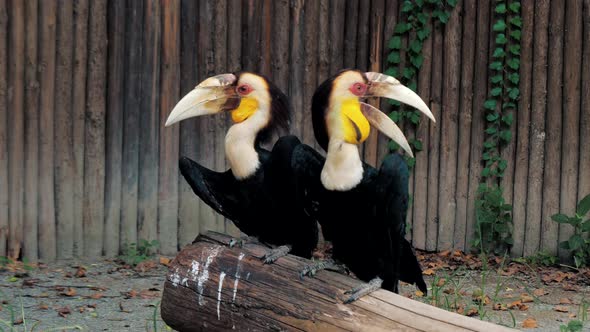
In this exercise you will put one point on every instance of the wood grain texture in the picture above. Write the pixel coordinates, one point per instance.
(169, 145)
(310, 77)
(16, 132)
(81, 8)
(47, 23)
(149, 123)
(584, 173)
(536, 139)
(3, 126)
(350, 33)
(114, 127)
(570, 142)
(296, 74)
(214, 287)
(94, 153)
(549, 31)
(465, 113)
(31, 184)
(64, 143)
(521, 162)
(131, 121)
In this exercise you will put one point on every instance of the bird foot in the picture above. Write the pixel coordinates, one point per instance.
(274, 254)
(363, 289)
(326, 264)
(242, 241)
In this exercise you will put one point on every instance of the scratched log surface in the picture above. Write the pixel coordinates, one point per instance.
(211, 287)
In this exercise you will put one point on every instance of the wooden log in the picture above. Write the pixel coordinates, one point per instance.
(570, 144)
(3, 126)
(537, 128)
(188, 204)
(79, 106)
(584, 174)
(64, 154)
(47, 18)
(480, 89)
(131, 126)
(114, 127)
(447, 203)
(465, 113)
(167, 229)
(94, 156)
(521, 162)
(16, 116)
(212, 287)
(149, 123)
(31, 185)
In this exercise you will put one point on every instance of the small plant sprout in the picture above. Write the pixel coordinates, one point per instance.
(578, 244)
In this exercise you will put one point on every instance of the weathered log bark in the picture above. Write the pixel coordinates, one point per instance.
(213, 287)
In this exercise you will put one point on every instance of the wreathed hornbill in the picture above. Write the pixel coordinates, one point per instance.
(256, 193)
(362, 210)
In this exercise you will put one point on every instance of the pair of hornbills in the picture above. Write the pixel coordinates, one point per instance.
(279, 196)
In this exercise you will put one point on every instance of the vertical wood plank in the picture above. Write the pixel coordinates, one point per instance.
(220, 66)
(169, 145)
(31, 185)
(553, 125)
(521, 162)
(571, 116)
(296, 67)
(448, 151)
(149, 119)
(310, 78)
(94, 156)
(79, 106)
(584, 175)
(324, 44)
(363, 42)
(337, 8)
(131, 121)
(264, 52)
(3, 126)
(114, 127)
(420, 202)
(188, 204)
(251, 34)
(537, 131)
(434, 143)
(64, 155)
(280, 41)
(350, 33)
(16, 137)
(465, 113)
(47, 18)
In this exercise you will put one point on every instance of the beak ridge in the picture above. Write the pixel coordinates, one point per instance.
(385, 125)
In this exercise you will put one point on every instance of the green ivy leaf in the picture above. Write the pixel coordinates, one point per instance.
(394, 102)
(514, 6)
(391, 71)
(411, 162)
(394, 116)
(514, 49)
(490, 104)
(500, 25)
(423, 33)
(501, 39)
(413, 86)
(499, 53)
(514, 93)
(492, 117)
(407, 6)
(502, 164)
(501, 8)
(452, 3)
(560, 218)
(394, 57)
(513, 63)
(393, 146)
(516, 21)
(508, 119)
(508, 105)
(586, 226)
(444, 17)
(417, 61)
(415, 118)
(485, 172)
(496, 91)
(409, 72)
(490, 131)
(416, 144)
(506, 135)
(416, 46)
(496, 79)
(516, 34)
(514, 78)
(583, 206)
(575, 242)
(486, 156)
(496, 65)
(422, 18)
(419, 3)
(395, 43)
(402, 27)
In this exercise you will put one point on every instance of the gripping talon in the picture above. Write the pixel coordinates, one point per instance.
(328, 264)
(274, 254)
(363, 289)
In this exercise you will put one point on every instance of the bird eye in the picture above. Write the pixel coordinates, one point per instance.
(244, 89)
(358, 88)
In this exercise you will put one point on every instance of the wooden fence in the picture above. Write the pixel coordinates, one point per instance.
(87, 167)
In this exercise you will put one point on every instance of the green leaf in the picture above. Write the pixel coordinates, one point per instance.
(490, 131)
(412, 86)
(516, 34)
(409, 72)
(496, 91)
(514, 49)
(492, 117)
(422, 18)
(416, 46)
(586, 226)
(501, 8)
(394, 57)
(496, 79)
(496, 65)
(514, 78)
(417, 61)
(560, 218)
(452, 3)
(583, 206)
(395, 43)
(407, 7)
(411, 162)
(485, 172)
(575, 242)
(417, 145)
(514, 6)
(391, 71)
(423, 33)
(514, 93)
(393, 146)
(486, 156)
(499, 53)
(502, 164)
(501, 38)
(508, 105)
(564, 245)
(500, 25)
(508, 119)
(513, 63)
(490, 104)
(394, 102)
(506, 135)
(415, 118)
(444, 17)
(419, 3)
(516, 21)
(402, 27)
(394, 116)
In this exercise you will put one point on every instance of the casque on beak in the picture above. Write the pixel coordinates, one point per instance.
(211, 96)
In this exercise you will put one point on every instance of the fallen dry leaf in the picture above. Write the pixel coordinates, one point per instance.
(130, 294)
(529, 323)
(526, 298)
(43, 306)
(96, 295)
(81, 272)
(516, 303)
(500, 306)
(70, 292)
(164, 261)
(81, 309)
(145, 266)
(419, 293)
(561, 308)
(472, 312)
(523, 307)
(564, 300)
(428, 272)
(444, 253)
(441, 282)
(540, 292)
(149, 294)
(64, 311)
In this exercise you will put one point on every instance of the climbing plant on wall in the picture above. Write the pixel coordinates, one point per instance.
(414, 28)
(493, 218)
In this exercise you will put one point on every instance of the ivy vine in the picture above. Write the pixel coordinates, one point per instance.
(494, 221)
(405, 59)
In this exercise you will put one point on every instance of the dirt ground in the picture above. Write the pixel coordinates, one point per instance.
(106, 296)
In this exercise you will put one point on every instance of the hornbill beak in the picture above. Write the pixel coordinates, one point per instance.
(211, 96)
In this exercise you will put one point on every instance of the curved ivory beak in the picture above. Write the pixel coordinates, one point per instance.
(381, 85)
(385, 125)
(211, 96)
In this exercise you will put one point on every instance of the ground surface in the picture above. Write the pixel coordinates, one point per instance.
(108, 296)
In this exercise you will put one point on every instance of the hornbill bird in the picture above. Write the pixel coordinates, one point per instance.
(256, 193)
(362, 210)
